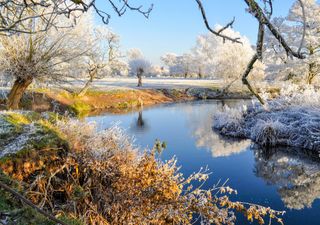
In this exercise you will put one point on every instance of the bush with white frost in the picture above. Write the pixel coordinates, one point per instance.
(292, 119)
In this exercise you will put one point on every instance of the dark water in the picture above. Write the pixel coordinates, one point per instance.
(279, 179)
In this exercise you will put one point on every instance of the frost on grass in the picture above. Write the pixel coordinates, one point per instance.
(18, 132)
(102, 178)
(293, 119)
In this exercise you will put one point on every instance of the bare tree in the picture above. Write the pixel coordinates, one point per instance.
(104, 58)
(263, 17)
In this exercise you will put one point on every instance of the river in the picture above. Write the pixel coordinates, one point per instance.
(279, 178)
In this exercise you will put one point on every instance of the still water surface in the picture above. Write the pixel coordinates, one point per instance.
(280, 179)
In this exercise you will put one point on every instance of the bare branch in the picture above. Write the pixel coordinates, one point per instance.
(218, 33)
(304, 25)
(13, 13)
(256, 56)
(29, 203)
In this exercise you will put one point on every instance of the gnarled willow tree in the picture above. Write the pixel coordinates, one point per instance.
(44, 56)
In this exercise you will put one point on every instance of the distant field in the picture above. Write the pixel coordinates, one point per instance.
(151, 83)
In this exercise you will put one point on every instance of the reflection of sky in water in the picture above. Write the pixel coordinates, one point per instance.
(277, 180)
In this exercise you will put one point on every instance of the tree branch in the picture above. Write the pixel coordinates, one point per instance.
(257, 56)
(217, 33)
(29, 203)
(258, 13)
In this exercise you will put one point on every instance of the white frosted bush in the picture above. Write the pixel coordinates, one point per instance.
(292, 119)
(99, 145)
(268, 133)
(229, 121)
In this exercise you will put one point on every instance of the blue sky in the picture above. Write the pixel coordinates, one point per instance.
(174, 25)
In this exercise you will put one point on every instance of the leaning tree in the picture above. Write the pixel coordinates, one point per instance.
(43, 56)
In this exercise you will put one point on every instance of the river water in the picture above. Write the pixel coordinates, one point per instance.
(279, 178)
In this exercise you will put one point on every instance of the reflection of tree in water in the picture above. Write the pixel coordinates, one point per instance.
(200, 121)
(140, 124)
(297, 176)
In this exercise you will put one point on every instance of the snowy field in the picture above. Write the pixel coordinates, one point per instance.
(150, 83)
(131, 83)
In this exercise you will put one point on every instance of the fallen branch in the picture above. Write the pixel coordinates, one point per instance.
(29, 203)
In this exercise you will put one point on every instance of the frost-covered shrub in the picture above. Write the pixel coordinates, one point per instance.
(292, 119)
(267, 133)
(229, 122)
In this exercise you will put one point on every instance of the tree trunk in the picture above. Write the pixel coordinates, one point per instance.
(139, 80)
(18, 89)
(200, 74)
(84, 90)
(140, 72)
(311, 73)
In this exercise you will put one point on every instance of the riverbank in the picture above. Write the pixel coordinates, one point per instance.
(117, 100)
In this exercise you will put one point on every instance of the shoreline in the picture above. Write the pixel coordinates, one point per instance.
(117, 101)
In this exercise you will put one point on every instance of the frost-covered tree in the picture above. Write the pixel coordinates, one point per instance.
(179, 65)
(169, 60)
(299, 23)
(157, 70)
(225, 60)
(262, 11)
(138, 64)
(104, 58)
(187, 64)
(201, 54)
(43, 56)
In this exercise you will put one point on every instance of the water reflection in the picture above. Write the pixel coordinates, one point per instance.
(201, 127)
(296, 176)
(139, 125)
(294, 180)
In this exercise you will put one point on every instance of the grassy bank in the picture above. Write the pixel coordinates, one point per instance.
(94, 102)
(116, 101)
